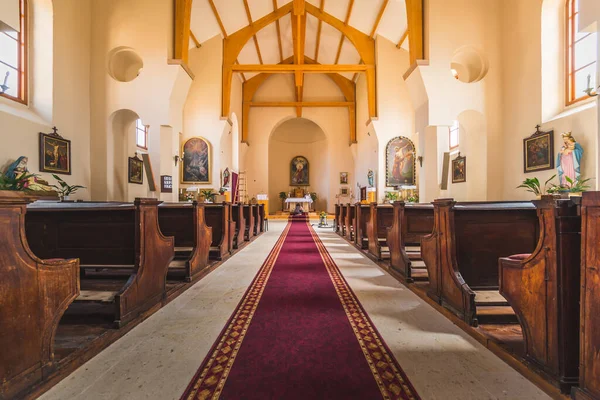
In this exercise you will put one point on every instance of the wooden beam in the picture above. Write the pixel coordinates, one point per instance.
(375, 25)
(249, 16)
(195, 40)
(299, 41)
(321, 7)
(414, 15)
(348, 13)
(278, 33)
(302, 104)
(402, 39)
(306, 68)
(365, 46)
(216, 14)
(183, 17)
(234, 43)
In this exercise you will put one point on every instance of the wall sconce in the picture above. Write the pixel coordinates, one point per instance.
(590, 90)
(176, 159)
(420, 159)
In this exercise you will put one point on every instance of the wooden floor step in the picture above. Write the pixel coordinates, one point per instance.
(178, 264)
(489, 298)
(418, 264)
(496, 315)
(416, 249)
(96, 296)
(183, 249)
(419, 274)
(414, 255)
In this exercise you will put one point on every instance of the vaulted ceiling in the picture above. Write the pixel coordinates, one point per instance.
(324, 43)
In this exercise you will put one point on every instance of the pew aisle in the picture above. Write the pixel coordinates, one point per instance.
(158, 358)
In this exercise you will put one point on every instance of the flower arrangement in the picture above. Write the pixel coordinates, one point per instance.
(322, 214)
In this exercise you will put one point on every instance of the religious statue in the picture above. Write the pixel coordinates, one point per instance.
(370, 177)
(226, 177)
(19, 168)
(569, 159)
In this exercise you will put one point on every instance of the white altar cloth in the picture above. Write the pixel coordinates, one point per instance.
(305, 202)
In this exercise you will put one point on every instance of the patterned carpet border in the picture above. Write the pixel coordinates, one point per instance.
(209, 380)
(391, 379)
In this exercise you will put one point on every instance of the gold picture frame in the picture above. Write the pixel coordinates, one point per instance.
(196, 163)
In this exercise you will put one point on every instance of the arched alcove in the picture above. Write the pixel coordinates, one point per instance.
(120, 146)
(298, 137)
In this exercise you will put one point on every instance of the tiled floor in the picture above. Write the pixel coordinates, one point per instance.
(158, 358)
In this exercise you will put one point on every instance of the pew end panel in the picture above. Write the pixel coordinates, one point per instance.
(399, 260)
(35, 295)
(218, 218)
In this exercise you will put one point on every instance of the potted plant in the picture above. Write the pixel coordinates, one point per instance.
(577, 186)
(322, 219)
(314, 197)
(283, 196)
(208, 195)
(65, 190)
(390, 197)
(533, 185)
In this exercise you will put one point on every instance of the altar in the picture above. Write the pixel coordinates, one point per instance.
(305, 203)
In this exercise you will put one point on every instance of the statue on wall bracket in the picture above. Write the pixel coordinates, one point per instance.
(568, 160)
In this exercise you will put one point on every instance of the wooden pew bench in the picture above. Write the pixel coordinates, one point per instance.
(336, 218)
(257, 220)
(249, 217)
(237, 211)
(462, 253)
(380, 219)
(218, 217)
(35, 295)
(342, 221)
(543, 289)
(410, 222)
(186, 223)
(124, 256)
(349, 221)
(363, 213)
(262, 216)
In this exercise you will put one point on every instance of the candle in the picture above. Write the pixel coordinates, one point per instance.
(589, 83)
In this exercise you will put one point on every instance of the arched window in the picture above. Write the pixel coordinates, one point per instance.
(581, 56)
(13, 57)
(141, 135)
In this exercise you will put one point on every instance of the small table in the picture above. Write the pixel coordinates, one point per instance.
(304, 202)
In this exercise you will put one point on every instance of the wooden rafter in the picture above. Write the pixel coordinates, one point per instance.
(195, 40)
(305, 68)
(348, 14)
(321, 7)
(402, 39)
(223, 31)
(299, 42)
(249, 16)
(375, 25)
(183, 17)
(278, 33)
(414, 16)
(302, 104)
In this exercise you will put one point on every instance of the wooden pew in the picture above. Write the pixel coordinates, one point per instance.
(256, 214)
(363, 213)
(336, 217)
(343, 209)
(218, 217)
(349, 221)
(261, 213)
(107, 237)
(187, 224)
(249, 216)
(410, 222)
(462, 253)
(543, 289)
(35, 294)
(380, 219)
(589, 337)
(237, 211)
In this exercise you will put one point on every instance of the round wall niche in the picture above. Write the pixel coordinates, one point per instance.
(468, 65)
(124, 64)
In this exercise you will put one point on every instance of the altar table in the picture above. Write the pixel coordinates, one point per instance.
(304, 202)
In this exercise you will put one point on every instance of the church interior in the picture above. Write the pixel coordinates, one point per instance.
(299, 199)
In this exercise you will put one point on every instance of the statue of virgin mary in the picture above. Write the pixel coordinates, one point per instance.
(569, 159)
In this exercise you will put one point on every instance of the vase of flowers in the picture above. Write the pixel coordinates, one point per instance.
(322, 219)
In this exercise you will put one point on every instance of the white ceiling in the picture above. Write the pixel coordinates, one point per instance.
(364, 14)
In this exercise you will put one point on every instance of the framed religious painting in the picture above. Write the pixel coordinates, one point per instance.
(299, 172)
(55, 153)
(136, 170)
(400, 162)
(343, 178)
(538, 151)
(195, 161)
(459, 169)
(344, 191)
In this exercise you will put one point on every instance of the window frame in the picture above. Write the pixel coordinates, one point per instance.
(22, 57)
(145, 134)
(450, 130)
(570, 45)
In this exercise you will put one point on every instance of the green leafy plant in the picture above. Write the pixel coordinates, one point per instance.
(18, 183)
(533, 185)
(323, 214)
(282, 196)
(64, 189)
(413, 199)
(208, 194)
(391, 196)
(578, 185)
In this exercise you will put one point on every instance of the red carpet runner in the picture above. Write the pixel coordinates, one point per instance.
(299, 333)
